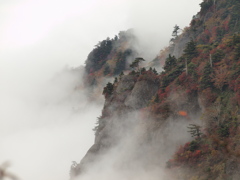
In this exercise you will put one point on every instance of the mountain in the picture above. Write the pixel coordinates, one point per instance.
(181, 123)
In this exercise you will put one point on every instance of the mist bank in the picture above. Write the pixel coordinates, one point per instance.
(45, 125)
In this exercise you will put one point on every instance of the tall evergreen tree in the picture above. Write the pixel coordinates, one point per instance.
(206, 81)
(170, 62)
(191, 50)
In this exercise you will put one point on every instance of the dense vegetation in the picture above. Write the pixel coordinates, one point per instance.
(110, 57)
(204, 80)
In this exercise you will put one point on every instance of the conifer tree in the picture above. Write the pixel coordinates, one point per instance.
(155, 71)
(170, 62)
(108, 90)
(135, 63)
(115, 80)
(206, 81)
(191, 50)
(175, 31)
(195, 130)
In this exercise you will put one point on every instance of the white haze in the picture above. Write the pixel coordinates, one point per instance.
(44, 124)
(132, 158)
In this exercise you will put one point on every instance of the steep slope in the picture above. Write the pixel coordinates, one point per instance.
(147, 116)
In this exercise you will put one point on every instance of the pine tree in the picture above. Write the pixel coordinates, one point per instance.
(108, 90)
(135, 63)
(206, 80)
(175, 31)
(170, 63)
(191, 50)
(115, 80)
(155, 71)
(195, 130)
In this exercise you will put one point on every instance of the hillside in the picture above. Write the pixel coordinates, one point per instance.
(183, 122)
(109, 58)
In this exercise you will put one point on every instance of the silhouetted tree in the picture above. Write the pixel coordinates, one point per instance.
(155, 71)
(108, 90)
(195, 130)
(175, 31)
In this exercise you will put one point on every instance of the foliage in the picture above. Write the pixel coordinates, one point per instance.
(170, 63)
(108, 90)
(135, 63)
(191, 50)
(195, 130)
(175, 31)
(206, 81)
(99, 54)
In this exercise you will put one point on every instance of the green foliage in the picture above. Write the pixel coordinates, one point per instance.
(218, 56)
(97, 57)
(192, 70)
(223, 130)
(108, 90)
(206, 81)
(175, 31)
(167, 79)
(170, 63)
(155, 71)
(115, 80)
(205, 5)
(191, 50)
(135, 63)
(234, 22)
(121, 61)
(143, 70)
(193, 145)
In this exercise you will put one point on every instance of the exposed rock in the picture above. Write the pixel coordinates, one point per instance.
(141, 94)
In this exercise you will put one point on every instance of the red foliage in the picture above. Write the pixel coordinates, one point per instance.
(182, 77)
(162, 94)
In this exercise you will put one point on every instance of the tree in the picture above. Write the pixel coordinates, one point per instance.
(175, 31)
(121, 75)
(155, 71)
(108, 90)
(170, 63)
(143, 70)
(220, 76)
(195, 130)
(191, 50)
(115, 80)
(206, 81)
(135, 63)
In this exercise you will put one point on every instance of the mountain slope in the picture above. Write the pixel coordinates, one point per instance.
(147, 116)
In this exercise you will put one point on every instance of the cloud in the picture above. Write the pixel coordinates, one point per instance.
(45, 128)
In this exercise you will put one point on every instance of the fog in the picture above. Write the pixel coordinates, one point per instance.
(140, 154)
(45, 123)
